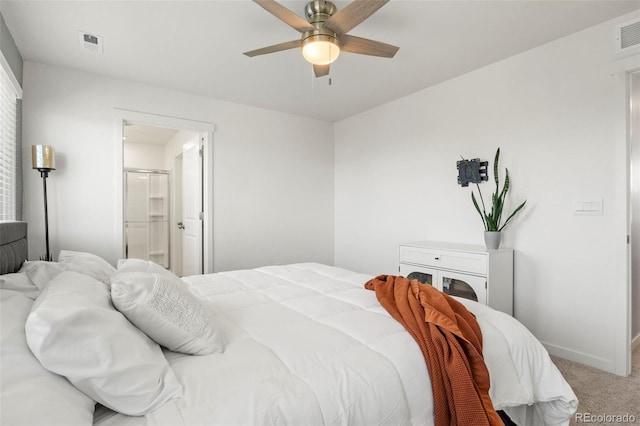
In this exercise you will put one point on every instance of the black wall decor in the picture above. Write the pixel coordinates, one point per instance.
(472, 171)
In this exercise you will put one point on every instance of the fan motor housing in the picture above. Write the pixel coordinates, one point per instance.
(320, 34)
(319, 11)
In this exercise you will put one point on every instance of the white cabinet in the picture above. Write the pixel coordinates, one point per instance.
(463, 270)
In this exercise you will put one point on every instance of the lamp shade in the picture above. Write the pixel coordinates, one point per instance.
(320, 49)
(43, 157)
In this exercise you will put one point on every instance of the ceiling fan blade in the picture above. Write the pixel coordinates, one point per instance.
(285, 15)
(364, 46)
(320, 70)
(353, 14)
(274, 48)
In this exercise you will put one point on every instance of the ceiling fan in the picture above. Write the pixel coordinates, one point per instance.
(324, 33)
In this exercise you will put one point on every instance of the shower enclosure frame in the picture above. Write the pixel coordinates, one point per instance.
(167, 215)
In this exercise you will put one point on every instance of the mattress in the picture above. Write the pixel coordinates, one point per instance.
(307, 344)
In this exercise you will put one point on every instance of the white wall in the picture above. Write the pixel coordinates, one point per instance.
(144, 156)
(273, 180)
(558, 114)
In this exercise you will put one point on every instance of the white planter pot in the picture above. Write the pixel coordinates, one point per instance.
(492, 239)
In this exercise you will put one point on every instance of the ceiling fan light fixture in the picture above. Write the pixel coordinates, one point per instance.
(320, 49)
(324, 32)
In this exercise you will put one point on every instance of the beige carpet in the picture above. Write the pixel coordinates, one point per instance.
(603, 394)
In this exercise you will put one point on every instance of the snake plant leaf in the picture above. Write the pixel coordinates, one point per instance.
(505, 188)
(512, 215)
(495, 169)
(498, 212)
(475, 203)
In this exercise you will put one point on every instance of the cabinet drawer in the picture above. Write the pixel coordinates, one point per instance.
(475, 263)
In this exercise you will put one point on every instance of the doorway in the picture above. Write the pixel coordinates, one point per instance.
(163, 225)
(157, 144)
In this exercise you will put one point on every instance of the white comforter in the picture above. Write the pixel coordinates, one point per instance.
(307, 344)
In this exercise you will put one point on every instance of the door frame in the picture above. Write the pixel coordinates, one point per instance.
(633, 154)
(207, 130)
(176, 206)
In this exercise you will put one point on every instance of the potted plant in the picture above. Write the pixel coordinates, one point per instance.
(492, 220)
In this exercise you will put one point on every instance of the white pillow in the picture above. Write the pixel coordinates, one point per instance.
(74, 331)
(87, 263)
(32, 395)
(163, 307)
(41, 272)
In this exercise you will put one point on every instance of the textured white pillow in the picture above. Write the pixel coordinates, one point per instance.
(74, 331)
(163, 307)
(32, 395)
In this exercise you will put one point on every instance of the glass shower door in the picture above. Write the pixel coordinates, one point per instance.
(147, 216)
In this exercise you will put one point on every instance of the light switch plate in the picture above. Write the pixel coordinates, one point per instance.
(588, 206)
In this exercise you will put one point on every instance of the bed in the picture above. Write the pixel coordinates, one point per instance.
(87, 343)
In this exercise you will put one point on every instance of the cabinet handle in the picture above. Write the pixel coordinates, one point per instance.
(437, 258)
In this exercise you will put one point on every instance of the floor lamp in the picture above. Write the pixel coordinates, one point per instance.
(43, 159)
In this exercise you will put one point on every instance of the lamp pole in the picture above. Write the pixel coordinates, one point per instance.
(44, 174)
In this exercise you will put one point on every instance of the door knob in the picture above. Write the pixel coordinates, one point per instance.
(180, 225)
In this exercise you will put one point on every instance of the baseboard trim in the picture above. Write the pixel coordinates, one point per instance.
(582, 358)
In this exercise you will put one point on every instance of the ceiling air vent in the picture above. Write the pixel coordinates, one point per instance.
(90, 41)
(628, 36)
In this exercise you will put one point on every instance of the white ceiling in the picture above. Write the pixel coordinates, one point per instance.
(196, 46)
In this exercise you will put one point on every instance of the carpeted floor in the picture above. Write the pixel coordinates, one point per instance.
(603, 394)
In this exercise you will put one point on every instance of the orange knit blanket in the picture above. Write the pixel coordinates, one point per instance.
(451, 343)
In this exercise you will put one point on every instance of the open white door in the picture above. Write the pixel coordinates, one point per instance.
(191, 211)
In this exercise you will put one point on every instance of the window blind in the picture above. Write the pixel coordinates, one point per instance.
(9, 93)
